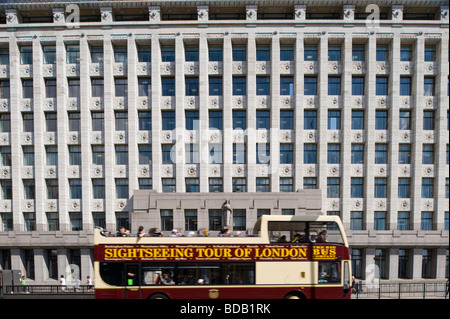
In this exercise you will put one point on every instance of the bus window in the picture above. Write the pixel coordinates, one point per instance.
(329, 272)
(199, 274)
(287, 232)
(132, 275)
(325, 232)
(158, 274)
(111, 273)
(239, 273)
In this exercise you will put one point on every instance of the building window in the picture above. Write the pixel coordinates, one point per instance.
(334, 120)
(310, 120)
(75, 188)
(145, 120)
(262, 53)
(50, 88)
(215, 154)
(309, 154)
(191, 53)
(145, 154)
(381, 120)
(239, 153)
(166, 219)
(406, 52)
(333, 153)
(97, 87)
(286, 184)
(26, 54)
(356, 221)
(191, 86)
(357, 187)
(96, 54)
(168, 86)
(428, 154)
(28, 189)
(215, 219)
(168, 120)
(145, 183)
(357, 85)
(403, 220)
(191, 120)
(239, 185)
(334, 53)
(239, 219)
(5, 122)
(215, 185)
(121, 188)
(333, 187)
(168, 185)
(358, 52)
(379, 221)
(50, 122)
(427, 187)
(357, 153)
(4, 89)
(215, 120)
(428, 86)
(74, 155)
(192, 185)
(263, 184)
(144, 86)
(262, 153)
(49, 54)
(6, 186)
(381, 153)
(99, 219)
(286, 153)
(405, 120)
(98, 188)
(51, 155)
(5, 152)
(144, 53)
(404, 153)
(190, 219)
(215, 86)
(405, 85)
(53, 225)
(120, 54)
(262, 119)
(239, 120)
(239, 52)
(310, 51)
(167, 53)
(166, 150)
(403, 261)
(428, 120)
(192, 154)
(430, 53)
(27, 89)
(426, 263)
(263, 85)
(121, 121)
(426, 221)
(310, 85)
(286, 85)
(239, 85)
(311, 183)
(73, 53)
(74, 121)
(121, 154)
(288, 211)
(286, 120)
(215, 53)
(380, 187)
(404, 187)
(98, 121)
(286, 53)
(381, 85)
(382, 52)
(334, 85)
(98, 154)
(357, 120)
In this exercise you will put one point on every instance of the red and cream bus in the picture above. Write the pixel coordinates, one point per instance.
(286, 257)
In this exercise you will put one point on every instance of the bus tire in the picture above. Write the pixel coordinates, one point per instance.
(294, 295)
(158, 296)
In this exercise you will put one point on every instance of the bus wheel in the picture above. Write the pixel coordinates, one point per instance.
(158, 296)
(294, 295)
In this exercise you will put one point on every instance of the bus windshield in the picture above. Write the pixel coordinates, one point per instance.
(304, 232)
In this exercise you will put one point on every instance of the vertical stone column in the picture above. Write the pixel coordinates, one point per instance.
(133, 121)
(393, 263)
(202, 133)
(417, 263)
(322, 115)
(275, 114)
(180, 126)
(156, 114)
(299, 109)
(250, 139)
(40, 266)
(87, 265)
(227, 129)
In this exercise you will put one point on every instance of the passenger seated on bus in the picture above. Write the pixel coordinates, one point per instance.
(299, 238)
(225, 233)
(201, 281)
(166, 280)
(175, 233)
(282, 239)
(123, 232)
(322, 237)
(154, 232)
(141, 232)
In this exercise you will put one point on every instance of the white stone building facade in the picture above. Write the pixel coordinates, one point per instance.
(99, 99)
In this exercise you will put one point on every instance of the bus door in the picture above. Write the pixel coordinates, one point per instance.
(132, 282)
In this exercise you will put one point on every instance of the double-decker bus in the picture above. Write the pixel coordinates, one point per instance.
(285, 257)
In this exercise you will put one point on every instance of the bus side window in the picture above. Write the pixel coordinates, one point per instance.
(132, 275)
